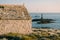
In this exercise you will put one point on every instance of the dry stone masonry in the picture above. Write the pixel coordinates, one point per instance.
(14, 19)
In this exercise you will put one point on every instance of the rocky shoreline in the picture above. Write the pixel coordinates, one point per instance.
(37, 34)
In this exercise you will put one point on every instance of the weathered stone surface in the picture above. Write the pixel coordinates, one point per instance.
(15, 26)
(14, 19)
(13, 12)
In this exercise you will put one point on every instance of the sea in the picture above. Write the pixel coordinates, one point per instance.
(54, 16)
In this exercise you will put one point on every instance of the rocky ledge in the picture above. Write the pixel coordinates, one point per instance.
(37, 34)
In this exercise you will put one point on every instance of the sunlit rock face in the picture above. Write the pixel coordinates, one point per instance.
(13, 12)
(14, 19)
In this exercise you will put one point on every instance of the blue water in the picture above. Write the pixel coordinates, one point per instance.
(55, 16)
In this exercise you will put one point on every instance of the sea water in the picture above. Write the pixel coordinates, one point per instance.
(54, 16)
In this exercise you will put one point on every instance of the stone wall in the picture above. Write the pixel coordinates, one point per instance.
(15, 26)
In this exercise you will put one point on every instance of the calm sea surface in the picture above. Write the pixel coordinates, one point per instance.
(55, 16)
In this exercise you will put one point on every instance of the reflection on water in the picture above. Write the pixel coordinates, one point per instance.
(55, 16)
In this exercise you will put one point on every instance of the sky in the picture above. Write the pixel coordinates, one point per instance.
(36, 5)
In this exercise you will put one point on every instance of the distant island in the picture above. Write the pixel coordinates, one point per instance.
(42, 20)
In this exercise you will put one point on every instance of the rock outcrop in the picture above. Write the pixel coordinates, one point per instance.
(14, 19)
